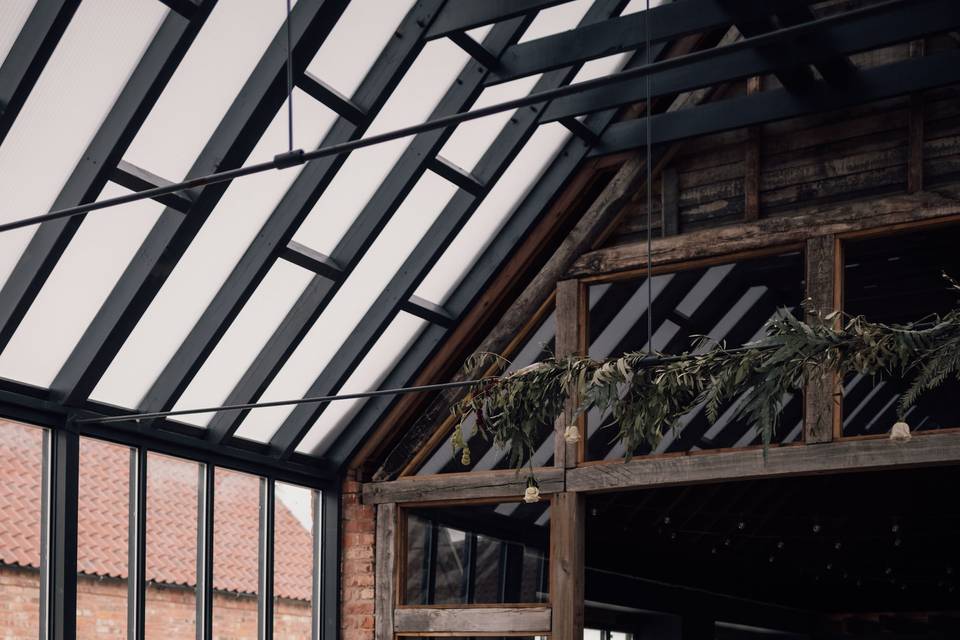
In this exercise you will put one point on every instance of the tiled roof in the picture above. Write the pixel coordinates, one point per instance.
(171, 518)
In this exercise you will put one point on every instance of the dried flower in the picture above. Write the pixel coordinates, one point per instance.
(900, 432)
(465, 458)
(532, 494)
(571, 434)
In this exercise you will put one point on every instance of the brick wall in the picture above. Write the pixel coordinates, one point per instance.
(356, 564)
(171, 611)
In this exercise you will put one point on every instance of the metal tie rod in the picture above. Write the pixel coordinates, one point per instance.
(299, 156)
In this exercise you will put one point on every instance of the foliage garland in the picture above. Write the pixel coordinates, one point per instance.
(646, 395)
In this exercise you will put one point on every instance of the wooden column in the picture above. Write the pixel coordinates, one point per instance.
(386, 571)
(751, 164)
(915, 133)
(567, 512)
(821, 399)
(570, 337)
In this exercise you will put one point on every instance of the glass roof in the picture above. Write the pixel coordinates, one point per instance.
(377, 53)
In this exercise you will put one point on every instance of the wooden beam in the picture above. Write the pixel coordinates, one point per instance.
(385, 589)
(821, 397)
(670, 202)
(751, 164)
(567, 574)
(473, 620)
(915, 133)
(568, 341)
(796, 460)
(501, 483)
(806, 223)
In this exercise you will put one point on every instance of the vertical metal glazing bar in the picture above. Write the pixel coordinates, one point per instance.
(58, 561)
(205, 506)
(137, 545)
(315, 585)
(44, 631)
(430, 565)
(265, 592)
(468, 586)
(328, 579)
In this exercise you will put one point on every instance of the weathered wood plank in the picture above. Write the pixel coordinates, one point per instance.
(472, 620)
(915, 135)
(385, 588)
(567, 556)
(798, 460)
(806, 223)
(568, 340)
(505, 483)
(751, 168)
(821, 397)
(670, 201)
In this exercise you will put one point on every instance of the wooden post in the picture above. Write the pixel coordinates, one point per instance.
(821, 399)
(569, 338)
(751, 164)
(385, 598)
(915, 133)
(567, 565)
(670, 201)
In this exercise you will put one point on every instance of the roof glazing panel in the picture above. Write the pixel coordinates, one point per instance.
(198, 276)
(13, 14)
(73, 94)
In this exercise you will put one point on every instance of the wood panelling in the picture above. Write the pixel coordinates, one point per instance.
(506, 483)
(474, 620)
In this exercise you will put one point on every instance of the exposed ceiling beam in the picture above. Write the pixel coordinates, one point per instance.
(98, 162)
(28, 56)
(462, 15)
(229, 146)
(135, 178)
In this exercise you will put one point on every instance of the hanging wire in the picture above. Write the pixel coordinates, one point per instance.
(649, 168)
(289, 83)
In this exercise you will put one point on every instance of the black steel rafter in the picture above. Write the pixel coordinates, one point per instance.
(29, 55)
(98, 163)
(397, 292)
(275, 236)
(461, 15)
(239, 130)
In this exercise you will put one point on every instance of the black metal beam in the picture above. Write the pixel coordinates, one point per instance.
(327, 95)
(58, 556)
(494, 162)
(454, 174)
(108, 145)
(428, 311)
(581, 130)
(835, 71)
(29, 54)
(266, 557)
(239, 131)
(878, 83)
(624, 33)
(134, 178)
(475, 50)
(361, 234)
(311, 260)
(137, 545)
(206, 500)
(327, 523)
(881, 26)
(185, 8)
(462, 15)
(276, 234)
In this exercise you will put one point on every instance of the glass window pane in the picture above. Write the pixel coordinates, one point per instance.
(505, 196)
(351, 302)
(477, 554)
(411, 102)
(729, 303)
(80, 282)
(246, 336)
(204, 86)
(171, 571)
(208, 261)
(899, 279)
(21, 473)
(350, 50)
(485, 456)
(87, 70)
(103, 528)
(236, 536)
(376, 365)
(13, 15)
(293, 560)
(553, 20)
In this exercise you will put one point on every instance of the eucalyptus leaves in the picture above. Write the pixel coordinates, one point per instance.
(645, 396)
